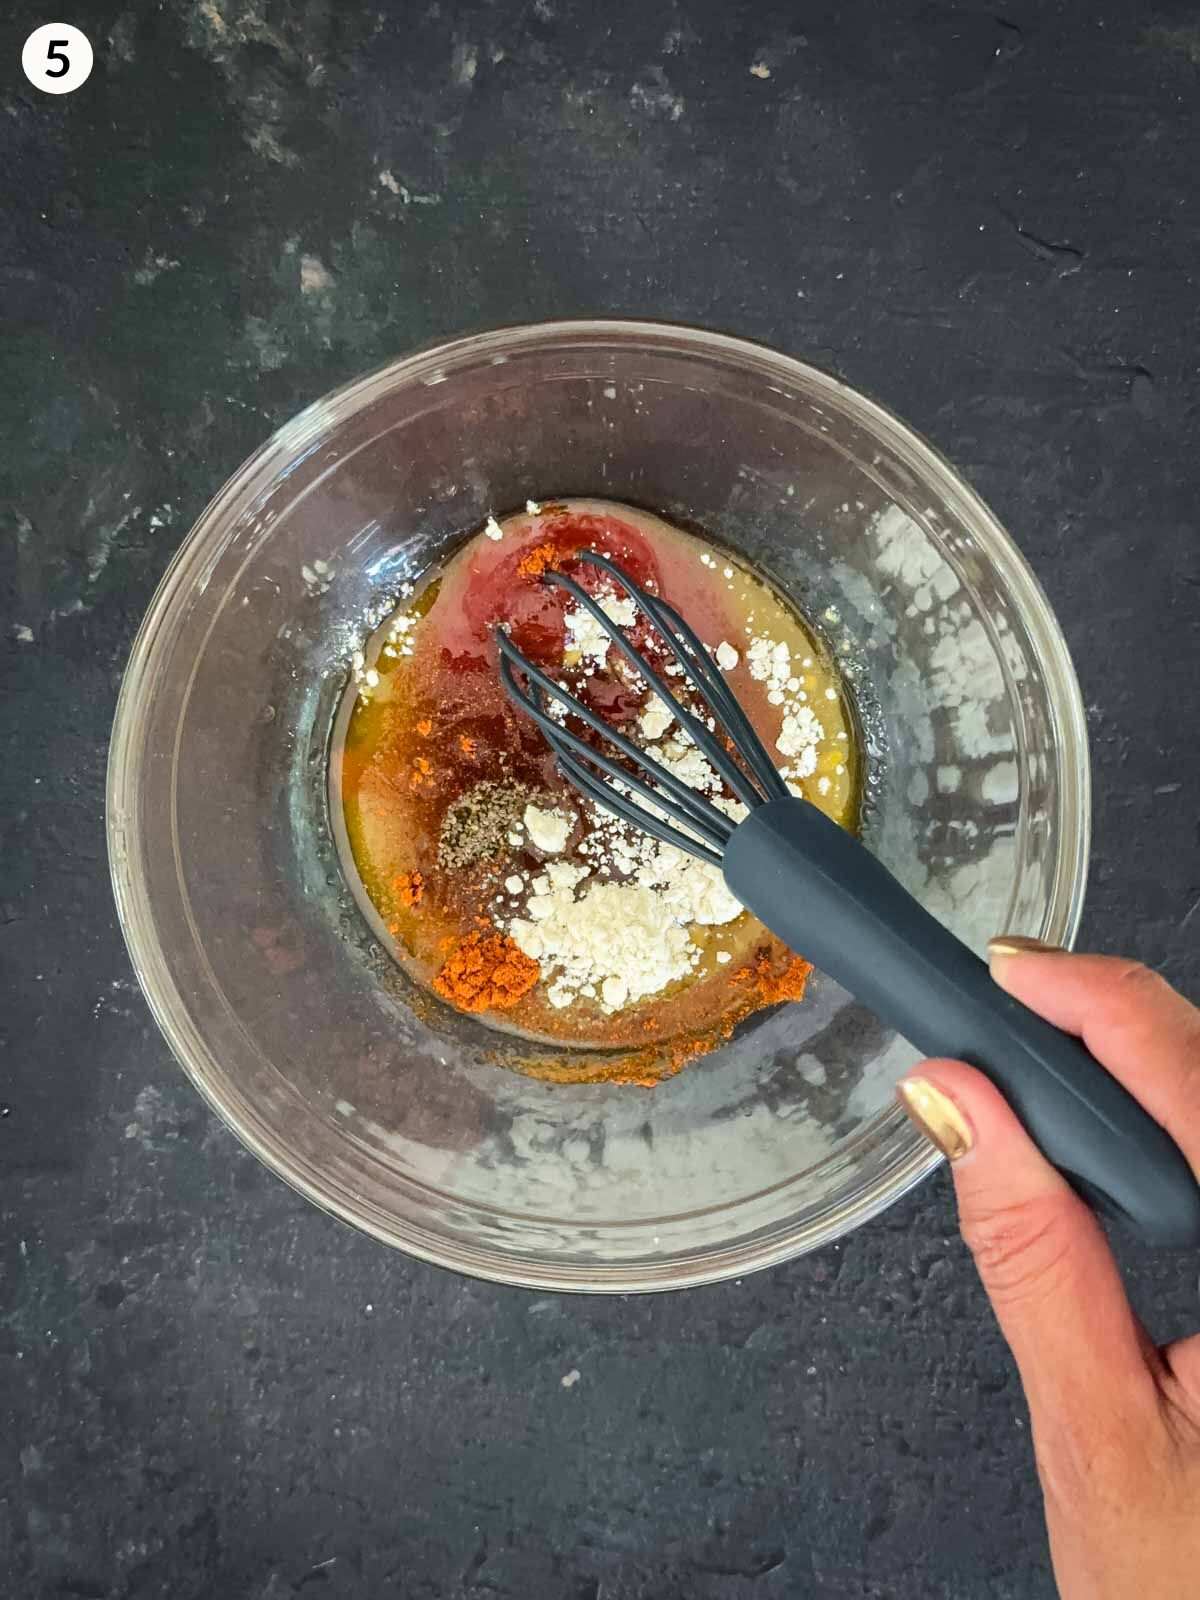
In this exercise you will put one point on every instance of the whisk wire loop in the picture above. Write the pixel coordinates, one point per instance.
(666, 807)
(700, 735)
(697, 808)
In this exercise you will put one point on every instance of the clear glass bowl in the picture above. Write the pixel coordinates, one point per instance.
(249, 946)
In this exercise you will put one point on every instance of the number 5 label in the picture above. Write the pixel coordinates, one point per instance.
(57, 58)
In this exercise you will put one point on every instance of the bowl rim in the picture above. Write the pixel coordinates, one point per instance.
(913, 1156)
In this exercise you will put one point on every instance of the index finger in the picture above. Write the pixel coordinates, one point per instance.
(1132, 1021)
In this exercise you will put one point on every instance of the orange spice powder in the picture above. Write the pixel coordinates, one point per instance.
(773, 986)
(486, 972)
(409, 887)
(534, 562)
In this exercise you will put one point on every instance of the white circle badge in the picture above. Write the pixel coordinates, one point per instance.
(57, 58)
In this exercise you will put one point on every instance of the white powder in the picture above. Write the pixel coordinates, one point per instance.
(655, 720)
(547, 830)
(621, 610)
(727, 656)
(399, 641)
(694, 890)
(493, 529)
(799, 737)
(963, 667)
(623, 940)
(563, 874)
(769, 662)
(801, 731)
(614, 934)
(686, 763)
(614, 992)
(587, 639)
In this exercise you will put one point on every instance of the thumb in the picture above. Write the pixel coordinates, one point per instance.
(1041, 1254)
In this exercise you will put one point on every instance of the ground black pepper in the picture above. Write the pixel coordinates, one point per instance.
(477, 825)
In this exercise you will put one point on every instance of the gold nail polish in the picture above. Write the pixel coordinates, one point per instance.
(937, 1116)
(1018, 944)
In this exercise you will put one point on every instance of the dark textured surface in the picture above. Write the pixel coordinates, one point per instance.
(989, 218)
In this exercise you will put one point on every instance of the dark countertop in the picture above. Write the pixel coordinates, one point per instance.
(989, 217)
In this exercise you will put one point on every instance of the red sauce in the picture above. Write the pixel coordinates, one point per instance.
(492, 587)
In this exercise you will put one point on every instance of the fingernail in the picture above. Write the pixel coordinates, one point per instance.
(937, 1116)
(1005, 945)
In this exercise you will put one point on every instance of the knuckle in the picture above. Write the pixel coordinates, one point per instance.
(1144, 998)
(1022, 1251)
(1099, 1472)
(1138, 983)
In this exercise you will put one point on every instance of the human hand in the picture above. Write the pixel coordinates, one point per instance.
(1115, 1421)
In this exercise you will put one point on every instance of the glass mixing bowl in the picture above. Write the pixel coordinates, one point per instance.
(250, 947)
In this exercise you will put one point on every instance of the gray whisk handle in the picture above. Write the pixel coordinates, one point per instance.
(829, 899)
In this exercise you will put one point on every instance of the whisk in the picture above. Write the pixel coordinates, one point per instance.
(823, 894)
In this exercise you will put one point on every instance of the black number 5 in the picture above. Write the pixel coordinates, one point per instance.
(54, 52)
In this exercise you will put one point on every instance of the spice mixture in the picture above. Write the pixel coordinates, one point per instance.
(500, 887)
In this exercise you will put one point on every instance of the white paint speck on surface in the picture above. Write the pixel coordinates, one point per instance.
(315, 276)
(464, 63)
(657, 99)
(760, 69)
(570, 1379)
